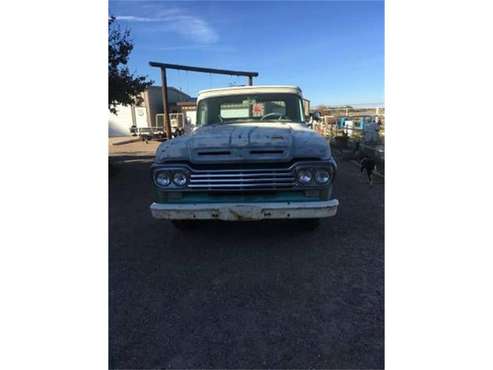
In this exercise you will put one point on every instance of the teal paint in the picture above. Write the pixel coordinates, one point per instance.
(203, 197)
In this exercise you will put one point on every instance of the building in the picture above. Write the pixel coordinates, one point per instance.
(144, 115)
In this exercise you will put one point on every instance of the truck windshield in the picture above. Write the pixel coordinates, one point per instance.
(250, 107)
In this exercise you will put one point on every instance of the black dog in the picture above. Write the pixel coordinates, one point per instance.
(368, 165)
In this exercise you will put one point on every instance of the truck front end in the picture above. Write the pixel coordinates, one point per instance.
(252, 158)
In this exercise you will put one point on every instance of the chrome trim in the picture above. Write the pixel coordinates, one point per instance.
(291, 178)
(266, 186)
(288, 169)
(287, 173)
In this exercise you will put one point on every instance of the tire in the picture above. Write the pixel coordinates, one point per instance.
(184, 224)
(309, 224)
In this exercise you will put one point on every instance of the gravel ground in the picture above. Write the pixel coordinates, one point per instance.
(245, 295)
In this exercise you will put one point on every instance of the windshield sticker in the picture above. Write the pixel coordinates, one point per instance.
(258, 109)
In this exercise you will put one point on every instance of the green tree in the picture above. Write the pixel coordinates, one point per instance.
(124, 87)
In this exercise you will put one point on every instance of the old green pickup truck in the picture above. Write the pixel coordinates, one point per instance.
(251, 157)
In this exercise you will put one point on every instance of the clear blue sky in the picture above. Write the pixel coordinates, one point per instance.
(333, 50)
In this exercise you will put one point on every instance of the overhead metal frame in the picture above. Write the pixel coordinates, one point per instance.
(164, 83)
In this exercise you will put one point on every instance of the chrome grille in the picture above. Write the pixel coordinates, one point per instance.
(242, 179)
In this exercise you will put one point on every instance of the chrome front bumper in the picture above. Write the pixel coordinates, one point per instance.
(244, 211)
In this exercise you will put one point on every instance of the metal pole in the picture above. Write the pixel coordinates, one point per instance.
(164, 89)
(204, 70)
(250, 80)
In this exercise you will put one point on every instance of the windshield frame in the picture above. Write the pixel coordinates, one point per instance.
(294, 108)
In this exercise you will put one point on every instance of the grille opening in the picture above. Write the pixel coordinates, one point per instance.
(266, 151)
(252, 179)
(215, 153)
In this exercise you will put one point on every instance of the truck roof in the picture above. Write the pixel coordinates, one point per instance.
(239, 90)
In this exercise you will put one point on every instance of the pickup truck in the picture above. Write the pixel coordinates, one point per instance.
(252, 156)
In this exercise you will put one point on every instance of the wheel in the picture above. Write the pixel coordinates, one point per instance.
(309, 224)
(184, 224)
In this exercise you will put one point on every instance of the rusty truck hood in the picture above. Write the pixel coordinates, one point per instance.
(245, 142)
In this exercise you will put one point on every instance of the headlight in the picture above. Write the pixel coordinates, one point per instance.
(180, 178)
(304, 176)
(162, 179)
(322, 176)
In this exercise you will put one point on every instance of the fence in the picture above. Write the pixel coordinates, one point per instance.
(352, 140)
(331, 131)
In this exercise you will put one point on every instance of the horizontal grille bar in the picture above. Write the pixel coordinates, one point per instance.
(283, 179)
(235, 175)
(242, 185)
(248, 170)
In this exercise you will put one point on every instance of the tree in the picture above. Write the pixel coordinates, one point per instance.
(124, 87)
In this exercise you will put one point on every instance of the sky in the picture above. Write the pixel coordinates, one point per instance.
(332, 50)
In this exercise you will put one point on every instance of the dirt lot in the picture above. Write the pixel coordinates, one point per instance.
(244, 295)
(130, 145)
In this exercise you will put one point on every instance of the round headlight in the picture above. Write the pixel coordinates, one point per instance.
(322, 176)
(180, 178)
(162, 179)
(305, 176)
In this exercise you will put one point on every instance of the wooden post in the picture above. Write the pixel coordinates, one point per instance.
(164, 89)
(250, 80)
